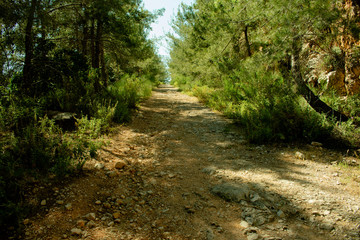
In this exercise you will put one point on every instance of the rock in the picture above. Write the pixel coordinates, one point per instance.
(316, 144)
(250, 230)
(98, 202)
(76, 231)
(26, 221)
(43, 203)
(280, 214)
(300, 155)
(326, 212)
(81, 223)
(112, 173)
(327, 226)
(90, 216)
(99, 166)
(107, 205)
(60, 202)
(91, 224)
(252, 236)
(335, 81)
(209, 234)
(119, 202)
(189, 209)
(68, 206)
(120, 165)
(256, 217)
(244, 224)
(65, 120)
(255, 197)
(209, 170)
(233, 193)
(116, 215)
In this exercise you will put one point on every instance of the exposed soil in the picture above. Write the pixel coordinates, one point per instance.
(170, 158)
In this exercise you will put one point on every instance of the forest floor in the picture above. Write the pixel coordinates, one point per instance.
(182, 171)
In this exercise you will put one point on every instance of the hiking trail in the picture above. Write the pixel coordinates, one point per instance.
(182, 171)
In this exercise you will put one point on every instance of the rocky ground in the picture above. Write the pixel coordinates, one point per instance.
(182, 171)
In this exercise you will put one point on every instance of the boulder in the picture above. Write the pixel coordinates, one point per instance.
(232, 193)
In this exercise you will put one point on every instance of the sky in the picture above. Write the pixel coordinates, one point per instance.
(162, 25)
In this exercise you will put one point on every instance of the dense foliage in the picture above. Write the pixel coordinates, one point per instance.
(265, 63)
(89, 60)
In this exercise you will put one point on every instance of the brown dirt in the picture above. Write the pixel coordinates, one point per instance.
(175, 150)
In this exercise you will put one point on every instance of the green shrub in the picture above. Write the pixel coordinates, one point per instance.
(127, 93)
(266, 107)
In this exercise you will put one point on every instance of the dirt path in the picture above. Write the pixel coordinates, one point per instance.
(181, 171)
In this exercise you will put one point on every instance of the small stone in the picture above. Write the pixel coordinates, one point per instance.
(90, 216)
(327, 226)
(65, 236)
(189, 209)
(91, 224)
(60, 202)
(112, 174)
(43, 203)
(99, 166)
(209, 234)
(116, 215)
(244, 224)
(119, 202)
(316, 144)
(209, 170)
(300, 155)
(281, 214)
(252, 236)
(98, 202)
(326, 212)
(120, 164)
(81, 223)
(255, 197)
(107, 205)
(110, 224)
(26, 221)
(68, 206)
(76, 231)
(251, 230)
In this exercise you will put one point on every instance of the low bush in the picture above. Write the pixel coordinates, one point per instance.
(263, 103)
(127, 93)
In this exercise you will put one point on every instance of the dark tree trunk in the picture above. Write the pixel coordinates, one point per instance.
(104, 75)
(97, 54)
(92, 43)
(247, 42)
(85, 37)
(29, 47)
(313, 100)
(97, 44)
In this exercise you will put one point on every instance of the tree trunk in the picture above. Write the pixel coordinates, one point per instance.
(104, 76)
(29, 47)
(85, 37)
(247, 42)
(92, 43)
(97, 44)
(313, 100)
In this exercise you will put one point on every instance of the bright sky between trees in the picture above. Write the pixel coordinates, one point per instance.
(162, 25)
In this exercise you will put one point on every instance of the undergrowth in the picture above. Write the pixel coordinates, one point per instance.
(31, 144)
(266, 106)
